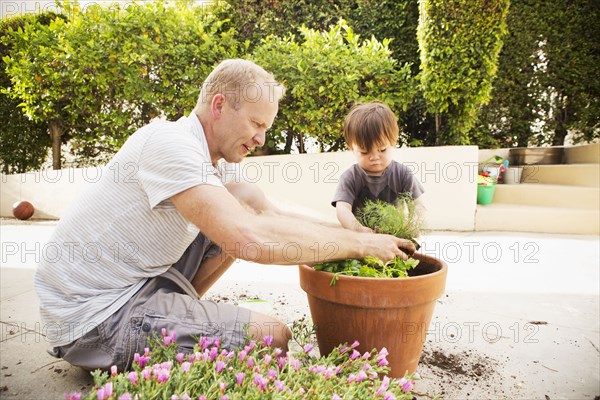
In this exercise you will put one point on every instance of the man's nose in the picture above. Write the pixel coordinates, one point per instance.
(260, 138)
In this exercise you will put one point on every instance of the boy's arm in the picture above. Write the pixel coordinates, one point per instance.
(347, 219)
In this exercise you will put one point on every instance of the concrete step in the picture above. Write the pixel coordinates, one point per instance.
(587, 153)
(524, 218)
(563, 174)
(562, 196)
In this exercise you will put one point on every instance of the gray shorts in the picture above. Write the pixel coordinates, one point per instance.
(160, 303)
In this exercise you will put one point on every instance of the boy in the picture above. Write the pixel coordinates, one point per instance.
(371, 132)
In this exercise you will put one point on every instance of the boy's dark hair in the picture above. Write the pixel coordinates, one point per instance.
(370, 125)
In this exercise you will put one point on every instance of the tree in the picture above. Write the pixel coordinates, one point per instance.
(325, 73)
(23, 143)
(547, 81)
(105, 72)
(459, 42)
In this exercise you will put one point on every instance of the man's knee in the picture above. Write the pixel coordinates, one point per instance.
(262, 325)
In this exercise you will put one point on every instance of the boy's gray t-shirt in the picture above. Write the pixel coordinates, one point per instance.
(355, 186)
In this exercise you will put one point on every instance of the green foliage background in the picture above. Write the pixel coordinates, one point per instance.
(91, 77)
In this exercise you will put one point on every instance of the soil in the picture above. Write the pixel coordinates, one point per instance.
(466, 368)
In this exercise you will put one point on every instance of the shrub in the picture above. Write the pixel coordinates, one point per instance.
(325, 73)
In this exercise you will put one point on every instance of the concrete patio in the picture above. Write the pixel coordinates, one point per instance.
(519, 320)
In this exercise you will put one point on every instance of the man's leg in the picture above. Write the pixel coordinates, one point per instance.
(210, 271)
(262, 325)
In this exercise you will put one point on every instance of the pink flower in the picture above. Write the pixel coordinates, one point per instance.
(383, 352)
(278, 352)
(308, 348)
(222, 386)
(268, 340)
(267, 359)
(225, 397)
(385, 384)
(271, 373)
(239, 377)
(329, 372)
(406, 384)
(250, 362)
(202, 398)
(133, 377)
(163, 375)
(146, 373)
(101, 394)
(389, 396)
(242, 355)
(383, 362)
(214, 352)
(186, 397)
(355, 354)
(141, 360)
(180, 357)
(295, 364)
(260, 381)
(336, 397)
(279, 385)
(204, 342)
(355, 344)
(250, 346)
(219, 366)
(361, 376)
(108, 389)
(185, 367)
(366, 356)
(168, 339)
(113, 370)
(73, 396)
(125, 396)
(174, 397)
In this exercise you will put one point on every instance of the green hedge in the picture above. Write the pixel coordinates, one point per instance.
(24, 143)
(98, 76)
(325, 73)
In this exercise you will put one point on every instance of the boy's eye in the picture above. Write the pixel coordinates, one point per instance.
(383, 150)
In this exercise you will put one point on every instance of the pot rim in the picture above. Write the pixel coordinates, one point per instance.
(442, 271)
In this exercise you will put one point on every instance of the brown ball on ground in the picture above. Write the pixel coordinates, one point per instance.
(23, 210)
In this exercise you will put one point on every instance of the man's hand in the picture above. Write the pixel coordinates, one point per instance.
(386, 247)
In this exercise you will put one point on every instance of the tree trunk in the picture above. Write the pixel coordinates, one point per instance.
(560, 132)
(301, 148)
(438, 123)
(56, 131)
(289, 140)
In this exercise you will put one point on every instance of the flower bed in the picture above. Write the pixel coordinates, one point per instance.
(256, 371)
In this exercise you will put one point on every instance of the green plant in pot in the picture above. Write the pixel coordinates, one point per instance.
(380, 304)
(401, 220)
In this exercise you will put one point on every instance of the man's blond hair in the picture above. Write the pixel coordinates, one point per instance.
(239, 81)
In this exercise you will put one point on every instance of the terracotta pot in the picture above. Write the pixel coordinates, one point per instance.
(378, 312)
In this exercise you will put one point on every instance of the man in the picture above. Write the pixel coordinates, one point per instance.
(134, 253)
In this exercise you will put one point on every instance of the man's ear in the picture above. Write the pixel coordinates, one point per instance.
(216, 105)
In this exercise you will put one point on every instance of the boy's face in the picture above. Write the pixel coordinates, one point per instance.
(375, 161)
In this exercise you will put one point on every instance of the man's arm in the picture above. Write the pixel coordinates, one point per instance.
(251, 196)
(275, 239)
